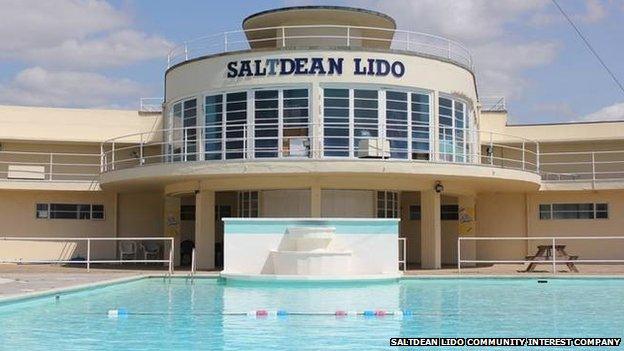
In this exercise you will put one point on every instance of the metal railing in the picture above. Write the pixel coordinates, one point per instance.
(87, 260)
(403, 254)
(579, 166)
(49, 166)
(331, 36)
(244, 142)
(151, 104)
(552, 242)
(493, 103)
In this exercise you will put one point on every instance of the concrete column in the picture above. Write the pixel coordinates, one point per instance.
(430, 230)
(315, 201)
(172, 225)
(467, 228)
(205, 229)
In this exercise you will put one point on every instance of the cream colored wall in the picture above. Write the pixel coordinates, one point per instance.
(73, 125)
(210, 74)
(294, 203)
(141, 214)
(347, 203)
(501, 214)
(17, 218)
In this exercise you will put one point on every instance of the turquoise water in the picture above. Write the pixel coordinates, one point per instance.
(182, 316)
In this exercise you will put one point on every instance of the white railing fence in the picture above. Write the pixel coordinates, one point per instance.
(67, 250)
(589, 166)
(243, 142)
(322, 35)
(49, 166)
(403, 254)
(552, 242)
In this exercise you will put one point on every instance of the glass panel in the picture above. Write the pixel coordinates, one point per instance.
(449, 212)
(397, 123)
(42, 211)
(235, 122)
(366, 125)
(266, 119)
(213, 129)
(175, 135)
(445, 113)
(97, 211)
(295, 123)
(420, 126)
(190, 132)
(336, 122)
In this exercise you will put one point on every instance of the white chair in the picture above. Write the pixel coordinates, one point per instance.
(298, 147)
(150, 249)
(127, 248)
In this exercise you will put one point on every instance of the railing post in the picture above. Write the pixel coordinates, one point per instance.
(186, 52)
(113, 156)
(537, 156)
(51, 165)
(523, 154)
(459, 255)
(225, 42)
(491, 150)
(553, 253)
(88, 255)
(141, 152)
(102, 158)
(593, 161)
(283, 37)
(348, 36)
(171, 248)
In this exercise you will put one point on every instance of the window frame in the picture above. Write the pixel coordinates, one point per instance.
(548, 214)
(78, 212)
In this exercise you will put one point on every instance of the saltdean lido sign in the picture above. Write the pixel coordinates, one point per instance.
(313, 66)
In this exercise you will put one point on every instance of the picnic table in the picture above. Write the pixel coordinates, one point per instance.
(544, 256)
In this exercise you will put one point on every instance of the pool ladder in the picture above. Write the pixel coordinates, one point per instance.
(191, 275)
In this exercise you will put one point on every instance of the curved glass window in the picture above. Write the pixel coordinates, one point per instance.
(354, 123)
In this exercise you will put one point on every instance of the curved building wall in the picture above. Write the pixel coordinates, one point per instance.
(317, 104)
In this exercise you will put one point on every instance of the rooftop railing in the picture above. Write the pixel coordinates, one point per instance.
(324, 36)
(150, 105)
(493, 103)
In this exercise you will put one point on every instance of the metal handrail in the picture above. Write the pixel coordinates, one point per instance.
(88, 260)
(417, 42)
(154, 104)
(552, 239)
(182, 144)
(53, 166)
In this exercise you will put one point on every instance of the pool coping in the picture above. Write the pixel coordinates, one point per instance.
(214, 275)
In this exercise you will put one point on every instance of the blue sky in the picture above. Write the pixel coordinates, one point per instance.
(75, 53)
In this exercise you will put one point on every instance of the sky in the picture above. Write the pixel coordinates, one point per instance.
(109, 54)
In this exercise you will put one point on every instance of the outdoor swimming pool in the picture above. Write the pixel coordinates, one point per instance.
(177, 315)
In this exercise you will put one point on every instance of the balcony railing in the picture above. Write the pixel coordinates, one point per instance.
(246, 143)
(331, 36)
(150, 105)
(493, 103)
(583, 166)
(49, 166)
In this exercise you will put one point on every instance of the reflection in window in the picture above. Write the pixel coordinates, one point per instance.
(295, 123)
(397, 123)
(213, 130)
(452, 133)
(420, 126)
(366, 123)
(266, 117)
(336, 122)
(235, 124)
(183, 136)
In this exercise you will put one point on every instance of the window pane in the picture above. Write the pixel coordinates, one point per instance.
(336, 122)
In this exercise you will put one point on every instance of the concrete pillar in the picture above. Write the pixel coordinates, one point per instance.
(467, 228)
(205, 229)
(430, 230)
(315, 201)
(172, 225)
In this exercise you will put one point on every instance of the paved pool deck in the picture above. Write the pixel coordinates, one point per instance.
(30, 280)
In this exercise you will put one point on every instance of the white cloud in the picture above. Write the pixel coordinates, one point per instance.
(73, 33)
(39, 87)
(613, 112)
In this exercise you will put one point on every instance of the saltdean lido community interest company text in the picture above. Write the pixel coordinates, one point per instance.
(313, 66)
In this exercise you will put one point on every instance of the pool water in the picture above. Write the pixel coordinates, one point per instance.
(177, 315)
